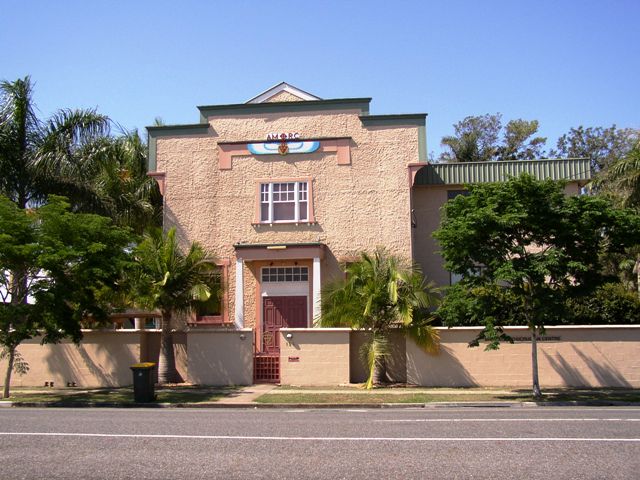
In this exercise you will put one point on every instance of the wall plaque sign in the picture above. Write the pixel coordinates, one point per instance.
(275, 148)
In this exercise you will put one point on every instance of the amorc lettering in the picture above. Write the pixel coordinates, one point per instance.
(283, 136)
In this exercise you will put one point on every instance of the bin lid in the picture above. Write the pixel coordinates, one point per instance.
(143, 365)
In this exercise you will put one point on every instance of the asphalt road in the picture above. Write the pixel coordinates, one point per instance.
(474, 443)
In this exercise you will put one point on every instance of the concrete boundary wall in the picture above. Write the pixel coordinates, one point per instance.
(220, 357)
(102, 359)
(578, 356)
(314, 356)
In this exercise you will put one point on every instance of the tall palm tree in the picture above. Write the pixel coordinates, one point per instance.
(73, 154)
(112, 180)
(381, 294)
(621, 181)
(25, 141)
(173, 282)
(624, 175)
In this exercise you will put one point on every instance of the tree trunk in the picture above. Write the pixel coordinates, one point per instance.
(7, 377)
(534, 363)
(636, 270)
(380, 371)
(166, 362)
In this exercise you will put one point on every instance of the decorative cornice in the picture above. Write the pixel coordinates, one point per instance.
(361, 104)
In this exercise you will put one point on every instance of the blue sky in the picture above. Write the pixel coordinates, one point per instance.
(565, 63)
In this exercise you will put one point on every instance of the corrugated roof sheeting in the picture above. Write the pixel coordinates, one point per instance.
(487, 172)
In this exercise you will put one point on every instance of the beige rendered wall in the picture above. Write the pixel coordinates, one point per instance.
(356, 206)
(314, 356)
(102, 359)
(220, 357)
(427, 202)
(590, 356)
(284, 97)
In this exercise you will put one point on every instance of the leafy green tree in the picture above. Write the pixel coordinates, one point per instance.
(483, 139)
(475, 139)
(603, 146)
(610, 303)
(522, 248)
(173, 282)
(519, 142)
(56, 269)
(381, 294)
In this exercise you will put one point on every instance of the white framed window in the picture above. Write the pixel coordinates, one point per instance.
(285, 274)
(284, 202)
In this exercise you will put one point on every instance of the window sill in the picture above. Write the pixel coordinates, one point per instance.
(275, 224)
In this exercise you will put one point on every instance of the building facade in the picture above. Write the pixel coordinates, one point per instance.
(286, 188)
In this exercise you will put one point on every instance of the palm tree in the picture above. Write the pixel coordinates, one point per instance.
(25, 141)
(621, 181)
(174, 283)
(73, 154)
(114, 182)
(381, 294)
(624, 176)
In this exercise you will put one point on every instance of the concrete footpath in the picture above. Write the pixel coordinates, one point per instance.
(247, 395)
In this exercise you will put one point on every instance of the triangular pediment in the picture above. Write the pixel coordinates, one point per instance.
(283, 92)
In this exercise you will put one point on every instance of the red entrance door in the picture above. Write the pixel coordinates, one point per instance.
(281, 312)
(277, 313)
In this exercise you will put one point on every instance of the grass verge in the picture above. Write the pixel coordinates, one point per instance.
(177, 394)
(373, 397)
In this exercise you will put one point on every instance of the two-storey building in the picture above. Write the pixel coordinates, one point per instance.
(287, 187)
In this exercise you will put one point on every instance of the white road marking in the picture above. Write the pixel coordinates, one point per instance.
(328, 439)
(510, 420)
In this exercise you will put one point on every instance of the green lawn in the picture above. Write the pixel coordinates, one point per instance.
(322, 395)
(377, 396)
(177, 394)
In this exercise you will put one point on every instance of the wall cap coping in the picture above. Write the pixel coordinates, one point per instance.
(415, 119)
(514, 327)
(113, 330)
(218, 330)
(207, 111)
(317, 329)
(550, 327)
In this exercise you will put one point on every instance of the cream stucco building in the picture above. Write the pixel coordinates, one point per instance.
(287, 187)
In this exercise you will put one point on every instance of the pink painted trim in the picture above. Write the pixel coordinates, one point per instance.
(226, 152)
(223, 318)
(160, 178)
(413, 171)
(256, 212)
(341, 146)
(290, 253)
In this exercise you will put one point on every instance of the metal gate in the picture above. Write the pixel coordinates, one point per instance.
(266, 368)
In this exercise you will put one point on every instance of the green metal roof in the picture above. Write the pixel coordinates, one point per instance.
(578, 169)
